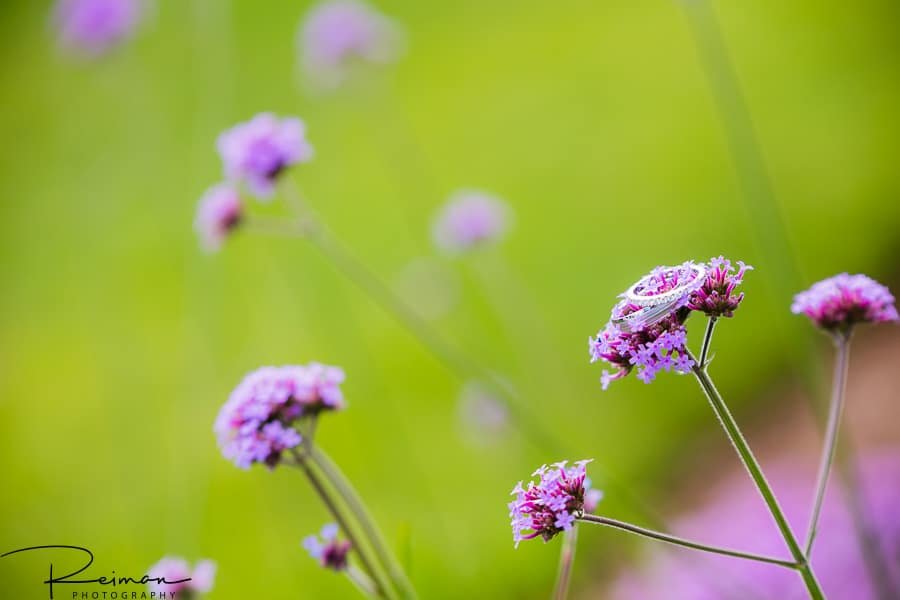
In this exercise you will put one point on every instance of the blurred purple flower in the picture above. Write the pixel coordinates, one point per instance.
(256, 424)
(470, 218)
(329, 551)
(258, 151)
(592, 496)
(200, 579)
(736, 518)
(482, 413)
(95, 26)
(549, 506)
(337, 34)
(716, 297)
(839, 302)
(219, 212)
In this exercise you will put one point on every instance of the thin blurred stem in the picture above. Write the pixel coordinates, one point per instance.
(873, 558)
(312, 229)
(566, 562)
(678, 541)
(842, 342)
(362, 581)
(343, 486)
(756, 474)
(301, 461)
(757, 189)
(707, 340)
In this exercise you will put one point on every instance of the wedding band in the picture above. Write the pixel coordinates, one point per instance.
(633, 294)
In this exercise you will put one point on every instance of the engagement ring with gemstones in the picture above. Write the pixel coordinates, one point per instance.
(657, 294)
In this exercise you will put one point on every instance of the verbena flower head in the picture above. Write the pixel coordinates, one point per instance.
(550, 505)
(651, 349)
(839, 302)
(93, 27)
(328, 549)
(717, 297)
(256, 425)
(186, 583)
(258, 151)
(470, 218)
(646, 331)
(337, 35)
(218, 213)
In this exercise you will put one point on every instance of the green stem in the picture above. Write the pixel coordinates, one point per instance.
(362, 582)
(756, 186)
(343, 486)
(678, 541)
(301, 461)
(312, 229)
(756, 474)
(566, 561)
(842, 341)
(707, 340)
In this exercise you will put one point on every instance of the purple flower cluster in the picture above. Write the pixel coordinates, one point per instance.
(256, 424)
(219, 211)
(258, 151)
(716, 297)
(329, 551)
(95, 26)
(337, 34)
(551, 505)
(646, 329)
(839, 302)
(654, 348)
(470, 218)
(186, 582)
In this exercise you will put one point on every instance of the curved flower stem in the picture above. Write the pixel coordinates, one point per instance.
(566, 561)
(842, 342)
(756, 474)
(343, 486)
(707, 340)
(671, 539)
(301, 461)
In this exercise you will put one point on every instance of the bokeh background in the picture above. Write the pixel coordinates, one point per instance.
(120, 339)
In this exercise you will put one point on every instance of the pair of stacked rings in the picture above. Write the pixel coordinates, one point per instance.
(654, 306)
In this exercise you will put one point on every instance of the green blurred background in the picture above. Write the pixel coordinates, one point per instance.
(120, 339)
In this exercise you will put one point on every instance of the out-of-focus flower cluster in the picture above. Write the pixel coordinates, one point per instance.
(469, 219)
(328, 549)
(255, 154)
(93, 27)
(258, 151)
(839, 302)
(220, 210)
(256, 424)
(837, 559)
(551, 505)
(337, 35)
(186, 583)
